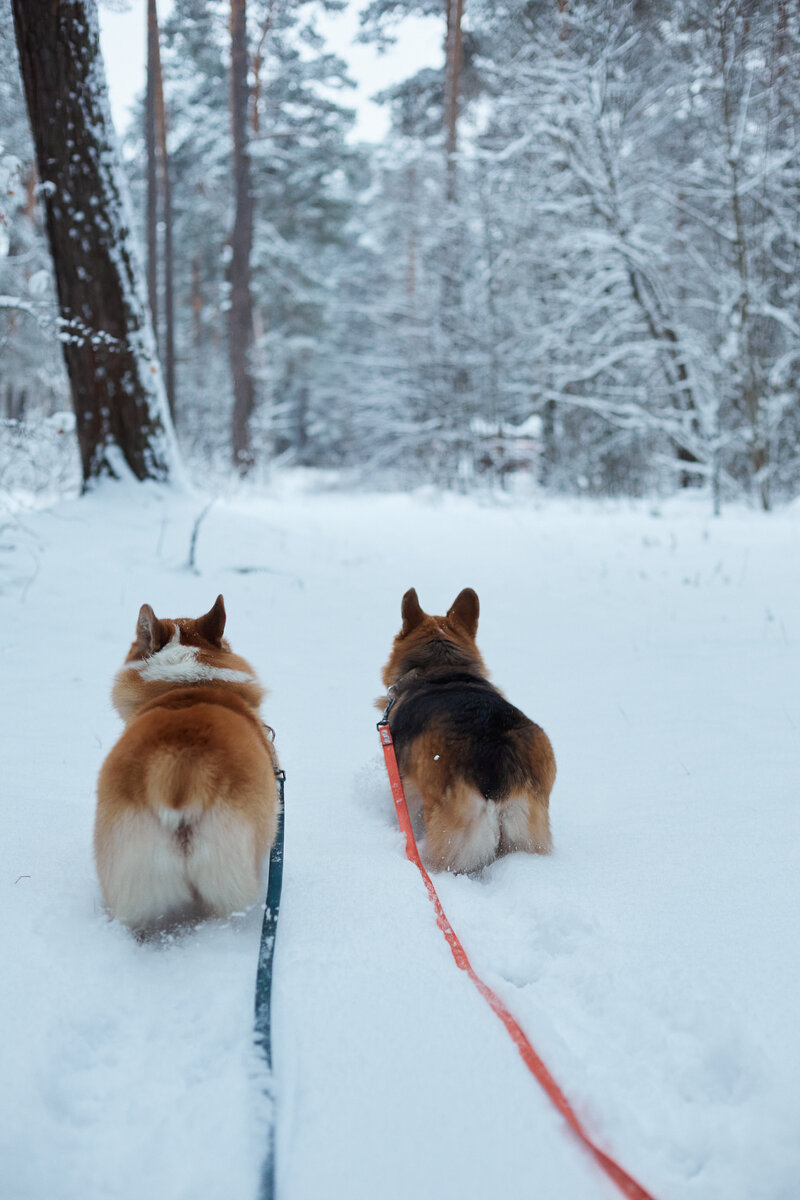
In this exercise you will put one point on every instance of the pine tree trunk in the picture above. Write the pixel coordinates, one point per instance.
(152, 167)
(454, 42)
(455, 382)
(108, 342)
(162, 156)
(751, 374)
(411, 248)
(198, 303)
(241, 310)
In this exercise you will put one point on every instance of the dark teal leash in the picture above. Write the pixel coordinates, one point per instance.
(266, 954)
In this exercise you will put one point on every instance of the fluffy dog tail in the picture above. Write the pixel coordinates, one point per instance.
(181, 853)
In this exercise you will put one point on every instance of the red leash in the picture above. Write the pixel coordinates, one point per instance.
(626, 1184)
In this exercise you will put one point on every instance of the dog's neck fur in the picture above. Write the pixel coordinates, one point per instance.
(178, 666)
(435, 655)
(440, 661)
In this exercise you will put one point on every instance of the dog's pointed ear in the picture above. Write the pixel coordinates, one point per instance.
(211, 626)
(151, 634)
(411, 612)
(465, 611)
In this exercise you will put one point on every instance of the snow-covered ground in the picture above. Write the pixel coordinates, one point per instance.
(653, 959)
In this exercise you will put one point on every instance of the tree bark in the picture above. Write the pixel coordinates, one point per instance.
(749, 367)
(240, 325)
(454, 42)
(455, 375)
(411, 248)
(107, 338)
(152, 166)
(162, 158)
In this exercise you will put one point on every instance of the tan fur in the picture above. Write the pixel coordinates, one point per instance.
(463, 829)
(187, 799)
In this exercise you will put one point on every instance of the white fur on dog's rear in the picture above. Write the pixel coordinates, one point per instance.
(475, 845)
(488, 822)
(515, 823)
(148, 872)
(222, 863)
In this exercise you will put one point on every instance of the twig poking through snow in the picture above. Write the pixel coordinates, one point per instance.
(190, 565)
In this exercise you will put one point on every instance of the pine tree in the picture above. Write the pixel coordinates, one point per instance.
(159, 195)
(240, 319)
(108, 345)
(32, 377)
(301, 180)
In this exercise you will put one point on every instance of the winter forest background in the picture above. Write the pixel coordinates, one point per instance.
(569, 268)
(572, 260)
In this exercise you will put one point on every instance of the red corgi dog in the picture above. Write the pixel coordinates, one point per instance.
(475, 766)
(187, 801)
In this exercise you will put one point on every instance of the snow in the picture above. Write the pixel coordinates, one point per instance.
(652, 959)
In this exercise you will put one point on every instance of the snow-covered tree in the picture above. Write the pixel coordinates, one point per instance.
(32, 379)
(160, 250)
(301, 172)
(574, 256)
(119, 402)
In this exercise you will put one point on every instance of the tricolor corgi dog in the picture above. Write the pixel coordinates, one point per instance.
(475, 767)
(187, 801)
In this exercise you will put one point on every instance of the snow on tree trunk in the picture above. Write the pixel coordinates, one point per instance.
(120, 407)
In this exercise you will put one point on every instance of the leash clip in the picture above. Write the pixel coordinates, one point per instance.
(390, 692)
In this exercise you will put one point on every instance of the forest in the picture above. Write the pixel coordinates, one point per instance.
(534, 341)
(570, 265)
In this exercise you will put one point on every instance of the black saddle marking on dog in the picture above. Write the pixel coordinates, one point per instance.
(493, 738)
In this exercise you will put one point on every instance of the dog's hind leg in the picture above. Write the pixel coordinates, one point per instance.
(525, 825)
(221, 862)
(140, 868)
(462, 830)
(414, 804)
(524, 815)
